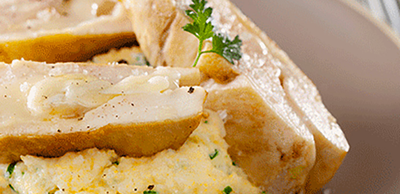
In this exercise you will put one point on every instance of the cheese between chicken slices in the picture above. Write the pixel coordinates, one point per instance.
(130, 56)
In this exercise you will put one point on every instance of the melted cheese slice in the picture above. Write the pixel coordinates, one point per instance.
(131, 56)
(32, 91)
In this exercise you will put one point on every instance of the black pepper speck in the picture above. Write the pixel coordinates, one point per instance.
(191, 90)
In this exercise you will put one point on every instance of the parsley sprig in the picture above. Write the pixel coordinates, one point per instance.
(203, 30)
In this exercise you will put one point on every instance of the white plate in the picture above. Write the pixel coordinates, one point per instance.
(355, 63)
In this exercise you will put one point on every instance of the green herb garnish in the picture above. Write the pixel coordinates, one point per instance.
(205, 122)
(149, 192)
(116, 163)
(228, 190)
(203, 30)
(12, 188)
(233, 163)
(10, 170)
(147, 62)
(215, 154)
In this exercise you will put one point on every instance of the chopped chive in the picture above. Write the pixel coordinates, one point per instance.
(147, 62)
(215, 154)
(10, 170)
(228, 190)
(12, 188)
(149, 192)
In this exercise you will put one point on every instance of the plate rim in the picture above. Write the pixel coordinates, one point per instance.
(380, 24)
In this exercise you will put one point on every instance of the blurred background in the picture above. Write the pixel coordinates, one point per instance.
(351, 53)
(385, 10)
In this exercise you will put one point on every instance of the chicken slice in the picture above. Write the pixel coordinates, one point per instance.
(303, 96)
(61, 30)
(50, 109)
(267, 139)
(269, 72)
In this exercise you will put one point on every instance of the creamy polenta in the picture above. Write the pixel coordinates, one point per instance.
(201, 165)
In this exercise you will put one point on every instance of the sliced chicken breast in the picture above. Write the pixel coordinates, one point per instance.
(272, 82)
(50, 109)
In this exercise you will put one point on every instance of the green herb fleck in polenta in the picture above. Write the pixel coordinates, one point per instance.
(213, 155)
(10, 170)
(228, 190)
(149, 192)
(12, 188)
